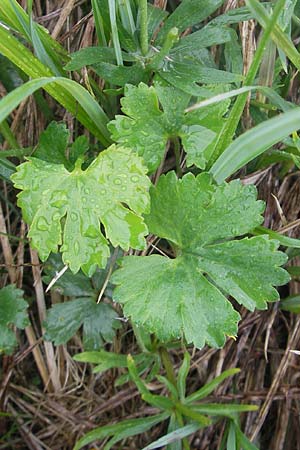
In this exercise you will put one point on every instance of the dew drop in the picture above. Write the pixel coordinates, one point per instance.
(134, 178)
(84, 199)
(102, 191)
(42, 224)
(56, 216)
(87, 191)
(117, 181)
(74, 216)
(76, 248)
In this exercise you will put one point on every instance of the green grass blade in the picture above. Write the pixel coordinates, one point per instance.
(229, 129)
(126, 16)
(278, 36)
(14, 16)
(114, 31)
(70, 95)
(286, 241)
(93, 110)
(254, 142)
(99, 23)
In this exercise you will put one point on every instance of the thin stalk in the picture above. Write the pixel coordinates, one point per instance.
(177, 156)
(229, 129)
(144, 26)
(171, 39)
(167, 363)
(15, 152)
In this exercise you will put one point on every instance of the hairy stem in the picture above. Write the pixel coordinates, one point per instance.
(144, 27)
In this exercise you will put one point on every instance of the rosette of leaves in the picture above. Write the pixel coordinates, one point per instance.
(65, 210)
(186, 296)
(182, 62)
(156, 114)
(13, 313)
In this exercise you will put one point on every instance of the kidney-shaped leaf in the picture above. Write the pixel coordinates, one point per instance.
(113, 191)
(186, 296)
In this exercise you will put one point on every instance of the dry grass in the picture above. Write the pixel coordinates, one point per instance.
(50, 400)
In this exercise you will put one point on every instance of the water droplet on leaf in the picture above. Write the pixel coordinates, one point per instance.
(42, 224)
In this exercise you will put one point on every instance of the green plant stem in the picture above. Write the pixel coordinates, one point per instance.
(229, 129)
(144, 26)
(15, 152)
(167, 363)
(177, 156)
(171, 39)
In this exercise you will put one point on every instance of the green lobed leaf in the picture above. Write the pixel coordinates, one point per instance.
(146, 127)
(53, 144)
(13, 312)
(84, 199)
(185, 296)
(70, 284)
(98, 320)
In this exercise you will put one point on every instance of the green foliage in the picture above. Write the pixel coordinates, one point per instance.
(146, 128)
(98, 320)
(13, 313)
(181, 62)
(53, 146)
(175, 407)
(199, 220)
(84, 198)
(177, 100)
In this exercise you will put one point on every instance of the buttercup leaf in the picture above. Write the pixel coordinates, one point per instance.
(13, 312)
(98, 320)
(147, 127)
(186, 296)
(65, 209)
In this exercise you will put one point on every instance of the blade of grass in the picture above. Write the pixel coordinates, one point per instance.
(38, 46)
(114, 31)
(70, 94)
(99, 23)
(254, 142)
(278, 36)
(14, 16)
(126, 16)
(12, 100)
(229, 129)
